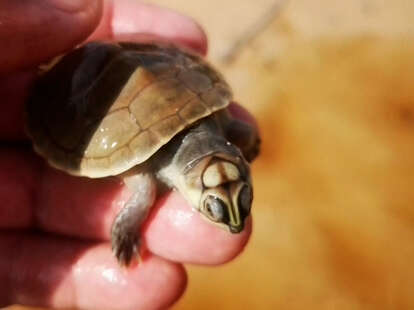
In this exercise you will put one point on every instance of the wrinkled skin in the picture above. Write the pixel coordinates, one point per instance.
(67, 262)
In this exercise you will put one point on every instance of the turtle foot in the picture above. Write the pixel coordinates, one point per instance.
(125, 247)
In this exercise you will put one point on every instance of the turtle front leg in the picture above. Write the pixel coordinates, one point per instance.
(245, 137)
(125, 228)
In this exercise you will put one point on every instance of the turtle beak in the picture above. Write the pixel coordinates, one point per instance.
(236, 229)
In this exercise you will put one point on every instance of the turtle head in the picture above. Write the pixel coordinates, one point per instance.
(224, 192)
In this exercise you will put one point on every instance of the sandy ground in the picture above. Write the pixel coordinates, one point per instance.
(330, 82)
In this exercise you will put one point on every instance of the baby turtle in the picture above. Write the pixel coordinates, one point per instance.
(155, 115)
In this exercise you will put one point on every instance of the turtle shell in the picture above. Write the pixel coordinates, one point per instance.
(106, 107)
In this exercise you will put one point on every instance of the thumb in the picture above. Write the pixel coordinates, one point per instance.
(34, 31)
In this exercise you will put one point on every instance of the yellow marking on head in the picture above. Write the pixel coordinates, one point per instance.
(220, 172)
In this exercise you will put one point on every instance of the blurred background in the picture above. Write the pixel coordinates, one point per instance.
(331, 85)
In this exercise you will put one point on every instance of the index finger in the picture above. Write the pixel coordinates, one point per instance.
(132, 20)
(37, 31)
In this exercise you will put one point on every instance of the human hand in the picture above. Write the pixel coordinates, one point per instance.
(67, 261)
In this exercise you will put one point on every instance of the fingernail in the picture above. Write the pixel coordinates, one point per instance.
(70, 6)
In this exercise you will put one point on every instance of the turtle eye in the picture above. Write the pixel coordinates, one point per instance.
(214, 209)
(245, 198)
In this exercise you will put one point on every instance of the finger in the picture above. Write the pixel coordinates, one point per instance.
(26, 27)
(19, 174)
(13, 93)
(243, 114)
(177, 232)
(134, 20)
(64, 273)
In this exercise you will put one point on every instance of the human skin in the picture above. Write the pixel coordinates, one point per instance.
(54, 228)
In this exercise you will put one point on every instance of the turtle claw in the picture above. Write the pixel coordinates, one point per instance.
(125, 247)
